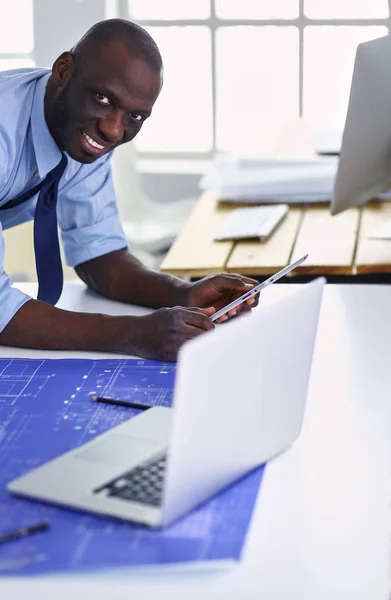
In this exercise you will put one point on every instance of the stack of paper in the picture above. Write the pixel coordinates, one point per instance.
(272, 180)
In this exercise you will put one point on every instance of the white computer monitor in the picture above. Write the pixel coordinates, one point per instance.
(364, 169)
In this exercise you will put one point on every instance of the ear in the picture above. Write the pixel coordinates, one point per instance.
(62, 68)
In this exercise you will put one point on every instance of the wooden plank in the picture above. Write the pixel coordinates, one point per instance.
(373, 256)
(263, 258)
(329, 240)
(194, 253)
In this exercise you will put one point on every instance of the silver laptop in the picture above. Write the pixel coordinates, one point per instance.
(239, 400)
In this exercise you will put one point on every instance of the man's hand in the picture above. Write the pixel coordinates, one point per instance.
(219, 290)
(161, 334)
(158, 335)
(120, 276)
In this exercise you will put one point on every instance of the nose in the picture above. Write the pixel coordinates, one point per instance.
(111, 126)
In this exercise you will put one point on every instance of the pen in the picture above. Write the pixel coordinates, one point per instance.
(121, 402)
(23, 532)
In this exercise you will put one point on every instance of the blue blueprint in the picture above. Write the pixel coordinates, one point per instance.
(46, 409)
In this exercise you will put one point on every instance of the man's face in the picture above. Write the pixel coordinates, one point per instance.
(102, 103)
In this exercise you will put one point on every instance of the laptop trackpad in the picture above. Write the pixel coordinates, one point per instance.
(117, 450)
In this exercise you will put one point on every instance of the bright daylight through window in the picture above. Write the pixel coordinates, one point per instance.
(16, 51)
(238, 73)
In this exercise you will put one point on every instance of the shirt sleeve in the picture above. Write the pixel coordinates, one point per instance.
(3, 163)
(11, 299)
(88, 213)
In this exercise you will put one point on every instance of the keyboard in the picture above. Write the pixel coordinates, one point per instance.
(143, 484)
(252, 222)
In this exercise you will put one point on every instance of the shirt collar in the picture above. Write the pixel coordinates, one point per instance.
(47, 153)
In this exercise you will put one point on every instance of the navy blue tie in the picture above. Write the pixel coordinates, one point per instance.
(46, 245)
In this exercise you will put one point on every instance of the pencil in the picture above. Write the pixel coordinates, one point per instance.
(126, 403)
(23, 532)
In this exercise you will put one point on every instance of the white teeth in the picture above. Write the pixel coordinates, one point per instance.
(92, 142)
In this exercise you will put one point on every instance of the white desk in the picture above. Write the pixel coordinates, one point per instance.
(321, 529)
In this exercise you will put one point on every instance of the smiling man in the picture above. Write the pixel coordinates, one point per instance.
(58, 129)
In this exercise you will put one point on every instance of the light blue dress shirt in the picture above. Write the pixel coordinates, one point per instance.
(86, 208)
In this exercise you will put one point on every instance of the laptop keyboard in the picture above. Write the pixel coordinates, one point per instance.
(143, 484)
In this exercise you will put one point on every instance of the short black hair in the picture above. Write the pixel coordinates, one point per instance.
(138, 41)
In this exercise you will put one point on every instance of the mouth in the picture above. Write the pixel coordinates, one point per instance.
(92, 146)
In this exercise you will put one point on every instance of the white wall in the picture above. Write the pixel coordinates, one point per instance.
(58, 25)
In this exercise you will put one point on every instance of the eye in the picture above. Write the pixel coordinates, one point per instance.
(136, 117)
(102, 99)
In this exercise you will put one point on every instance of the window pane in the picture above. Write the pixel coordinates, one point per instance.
(111, 9)
(346, 9)
(169, 9)
(255, 9)
(16, 26)
(329, 54)
(15, 63)
(257, 86)
(182, 117)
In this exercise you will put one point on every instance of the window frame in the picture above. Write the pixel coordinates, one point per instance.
(213, 22)
(20, 55)
(17, 55)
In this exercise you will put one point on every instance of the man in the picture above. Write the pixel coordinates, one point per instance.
(57, 132)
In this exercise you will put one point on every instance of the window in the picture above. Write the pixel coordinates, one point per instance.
(16, 34)
(238, 73)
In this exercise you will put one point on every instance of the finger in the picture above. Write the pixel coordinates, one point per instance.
(190, 331)
(196, 318)
(248, 305)
(235, 315)
(244, 308)
(233, 282)
(208, 312)
(222, 319)
(239, 310)
(252, 282)
(245, 305)
(253, 302)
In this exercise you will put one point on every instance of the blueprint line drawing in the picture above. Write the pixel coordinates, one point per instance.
(45, 410)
